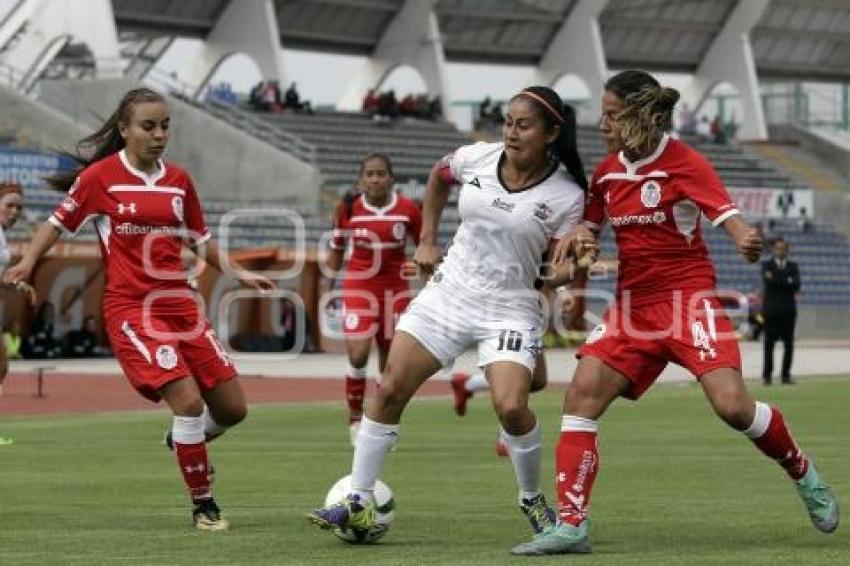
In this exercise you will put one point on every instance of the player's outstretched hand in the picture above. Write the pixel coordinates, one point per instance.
(18, 273)
(750, 245)
(257, 282)
(427, 256)
(579, 243)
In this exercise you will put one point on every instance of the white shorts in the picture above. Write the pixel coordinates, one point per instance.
(446, 321)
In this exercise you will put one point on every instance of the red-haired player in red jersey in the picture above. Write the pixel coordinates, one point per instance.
(378, 222)
(145, 211)
(653, 190)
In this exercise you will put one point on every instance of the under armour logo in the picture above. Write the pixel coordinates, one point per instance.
(576, 500)
(131, 208)
(199, 468)
(710, 353)
(475, 182)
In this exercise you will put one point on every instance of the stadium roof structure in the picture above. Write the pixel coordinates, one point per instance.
(803, 39)
(734, 41)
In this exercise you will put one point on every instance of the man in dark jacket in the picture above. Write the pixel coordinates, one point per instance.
(781, 284)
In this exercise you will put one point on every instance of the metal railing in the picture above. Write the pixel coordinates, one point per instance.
(259, 127)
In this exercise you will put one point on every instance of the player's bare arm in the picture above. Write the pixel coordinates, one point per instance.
(212, 254)
(44, 238)
(747, 238)
(428, 253)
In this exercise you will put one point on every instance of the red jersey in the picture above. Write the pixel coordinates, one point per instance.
(654, 207)
(142, 222)
(378, 237)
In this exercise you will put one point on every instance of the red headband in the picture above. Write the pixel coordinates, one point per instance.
(541, 100)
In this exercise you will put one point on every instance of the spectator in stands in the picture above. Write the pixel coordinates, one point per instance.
(292, 100)
(484, 109)
(804, 222)
(435, 108)
(83, 342)
(371, 102)
(409, 107)
(785, 202)
(497, 117)
(687, 120)
(387, 106)
(254, 97)
(269, 97)
(781, 284)
(12, 340)
(718, 135)
(41, 344)
(703, 129)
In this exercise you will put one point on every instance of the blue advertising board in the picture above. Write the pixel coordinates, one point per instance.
(29, 167)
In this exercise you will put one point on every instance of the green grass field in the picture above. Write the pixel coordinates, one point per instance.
(675, 487)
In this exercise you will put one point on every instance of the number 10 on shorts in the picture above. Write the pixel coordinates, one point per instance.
(510, 340)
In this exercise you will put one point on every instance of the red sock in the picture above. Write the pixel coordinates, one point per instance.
(576, 465)
(194, 465)
(355, 391)
(778, 444)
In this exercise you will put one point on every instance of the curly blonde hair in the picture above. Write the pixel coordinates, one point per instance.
(647, 108)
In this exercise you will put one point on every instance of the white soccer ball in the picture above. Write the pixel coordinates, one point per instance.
(385, 511)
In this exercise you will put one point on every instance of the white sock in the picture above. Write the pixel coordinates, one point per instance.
(373, 442)
(356, 373)
(525, 456)
(477, 382)
(760, 422)
(570, 423)
(187, 430)
(211, 428)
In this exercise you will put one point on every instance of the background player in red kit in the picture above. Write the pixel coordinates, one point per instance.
(653, 189)
(377, 222)
(146, 210)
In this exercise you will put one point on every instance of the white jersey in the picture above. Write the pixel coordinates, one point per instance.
(503, 235)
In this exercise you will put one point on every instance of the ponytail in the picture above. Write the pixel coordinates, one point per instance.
(105, 141)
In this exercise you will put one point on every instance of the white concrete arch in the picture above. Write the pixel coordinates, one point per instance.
(577, 49)
(245, 26)
(49, 25)
(730, 58)
(412, 38)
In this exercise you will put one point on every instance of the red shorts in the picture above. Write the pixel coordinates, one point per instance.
(156, 348)
(374, 312)
(640, 344)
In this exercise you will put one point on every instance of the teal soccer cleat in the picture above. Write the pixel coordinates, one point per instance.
(819, 500)
(563, 538)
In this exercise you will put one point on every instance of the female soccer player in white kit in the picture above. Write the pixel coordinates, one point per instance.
(517, 198)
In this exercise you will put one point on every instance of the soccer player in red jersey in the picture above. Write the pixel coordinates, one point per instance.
(653, 189)
(378, 222)
(145, 211)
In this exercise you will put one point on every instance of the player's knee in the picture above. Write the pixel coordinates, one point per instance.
(512, 413)
(233, 416)
(359, 360)
(734, 408)
(188, 406)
